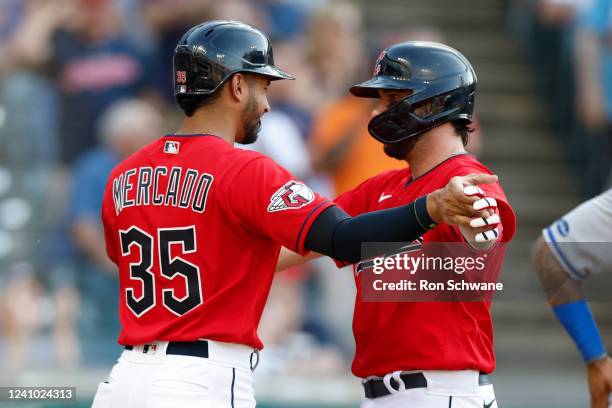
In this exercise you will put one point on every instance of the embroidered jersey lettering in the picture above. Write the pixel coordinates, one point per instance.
(194, 240)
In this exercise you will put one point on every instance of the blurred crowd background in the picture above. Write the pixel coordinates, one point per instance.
(84, 83)
(569, 44)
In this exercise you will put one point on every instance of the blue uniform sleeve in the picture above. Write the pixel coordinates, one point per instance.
(87, 191)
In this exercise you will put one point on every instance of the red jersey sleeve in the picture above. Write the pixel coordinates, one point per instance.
(269, 200)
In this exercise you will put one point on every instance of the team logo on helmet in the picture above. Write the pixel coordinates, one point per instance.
(378, 61)
(291, 196)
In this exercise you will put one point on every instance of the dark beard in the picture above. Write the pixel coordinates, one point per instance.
(251, 123)
(400, 150)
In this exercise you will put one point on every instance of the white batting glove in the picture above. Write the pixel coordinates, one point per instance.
(491, 232)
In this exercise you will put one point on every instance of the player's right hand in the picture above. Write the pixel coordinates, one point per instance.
(600, 382)
(452, 205)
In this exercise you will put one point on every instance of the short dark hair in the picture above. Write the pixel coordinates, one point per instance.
(463, 128)
(190, 104)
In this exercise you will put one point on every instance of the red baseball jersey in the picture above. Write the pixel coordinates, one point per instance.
(195, 227)
(393, 336)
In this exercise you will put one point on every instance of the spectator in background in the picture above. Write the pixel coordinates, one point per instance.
(167, 16)
(558, 12)
(295, 345)
(280, 139)
(286, 19)
(27, 136)
(565, 40)
(169, 20)
(21, 315)
(295, 326)
(299, 98)
(125, 127)
(27, 103)
(240, 10)
(342, 147)
(335, 48)
(10, 11)
(553, 54)
(82, 45)
(339, 142)
(293, 336)
(593, 65)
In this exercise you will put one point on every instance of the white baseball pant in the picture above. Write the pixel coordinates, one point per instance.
(147, 377)
(445, 389)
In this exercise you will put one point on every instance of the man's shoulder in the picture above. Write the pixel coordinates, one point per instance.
(390, 176)
(213, 147)
(240, 155)
(380, 182)
(470, 162)
(459, 165)
(206, 152)
(245, 163)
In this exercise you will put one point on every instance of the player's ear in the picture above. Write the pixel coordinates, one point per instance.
(238, 86)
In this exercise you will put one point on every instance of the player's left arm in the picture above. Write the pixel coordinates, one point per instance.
(567, 300)
(479, 236)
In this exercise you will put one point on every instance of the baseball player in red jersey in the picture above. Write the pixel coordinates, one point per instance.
(195, 227)
(424, 354)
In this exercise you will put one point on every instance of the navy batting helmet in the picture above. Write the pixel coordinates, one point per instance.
(443, 85)
(209, 53)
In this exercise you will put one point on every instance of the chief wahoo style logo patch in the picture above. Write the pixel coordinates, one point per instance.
(291, 196)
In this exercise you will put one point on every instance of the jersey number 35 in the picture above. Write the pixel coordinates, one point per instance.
(169, 268)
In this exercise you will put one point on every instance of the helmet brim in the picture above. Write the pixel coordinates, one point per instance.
(369, 88)
(271, 72)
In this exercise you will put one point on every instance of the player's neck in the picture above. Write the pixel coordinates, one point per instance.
(438, 145)
(210, 122)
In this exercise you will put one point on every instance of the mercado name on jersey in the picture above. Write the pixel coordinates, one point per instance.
(161, 186)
